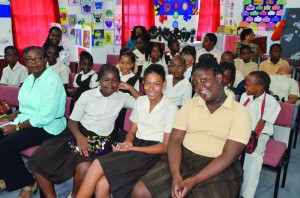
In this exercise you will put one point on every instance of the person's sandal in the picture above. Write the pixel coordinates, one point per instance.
(31, 189)
(2, 186)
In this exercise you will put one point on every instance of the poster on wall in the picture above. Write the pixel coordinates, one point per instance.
(83, 35)
(266, 13)
(63, 14)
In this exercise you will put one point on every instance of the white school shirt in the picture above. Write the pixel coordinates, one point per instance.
(245, 68)
(179, 93)
(141, 57)
(160, 62)
(238, 78)
(98, 113)
(15, 76)
(188, 73)
(216, 53)
(152, 125)
(62, 71)
(93, 83)
(125, 78)
(283, 86)
(272, 109)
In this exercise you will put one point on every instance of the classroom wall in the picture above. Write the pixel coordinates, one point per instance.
(99, 54)
(5, 30)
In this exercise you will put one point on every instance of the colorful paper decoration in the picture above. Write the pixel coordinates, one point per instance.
(86, 8)
(108, 38)
(65, 30)
(98, 6)
(74, 2)
(72, 19)
(63, 13)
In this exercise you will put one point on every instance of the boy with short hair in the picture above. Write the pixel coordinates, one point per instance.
(272, 64)
(208, 47)
(174, 47)
(15, 73)
(264, 110)
(244, 63)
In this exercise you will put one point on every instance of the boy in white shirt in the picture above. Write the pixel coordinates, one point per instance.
(60, 69)
(208, 46)
(264, 110)
(15, 73)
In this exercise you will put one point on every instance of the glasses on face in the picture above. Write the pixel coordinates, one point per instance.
(36, 59)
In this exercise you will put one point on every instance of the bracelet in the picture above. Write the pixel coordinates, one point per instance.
(17, 127)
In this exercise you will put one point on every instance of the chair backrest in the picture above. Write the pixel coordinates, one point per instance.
(127, 122)
(68, 110)
(71, 80)
(96, 67)
(286, 115)
(112, 59)
(10, 94)
(73, 66)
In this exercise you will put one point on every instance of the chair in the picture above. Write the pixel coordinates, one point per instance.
(297, 122)
(73, 67)
(71, 80)
(96, 67)
(28, 152)
(10, 94)
(112, 59)
(277, 154)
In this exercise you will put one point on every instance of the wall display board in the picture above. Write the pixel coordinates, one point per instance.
(267, 13)
(5, 30)
(83, 39)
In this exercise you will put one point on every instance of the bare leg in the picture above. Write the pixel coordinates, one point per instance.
(46, 185)
(80, 172)
(102, 188)
(93, 175)
(140, 191)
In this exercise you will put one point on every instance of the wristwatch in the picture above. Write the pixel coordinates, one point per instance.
(17, 127)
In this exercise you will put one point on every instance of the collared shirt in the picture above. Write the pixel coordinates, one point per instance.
(283, 86)
(160, 62)
(271, 111)
(178, 93)
(217, 54)
(238, 78)
(141, 57)
(98, 113)
(62, 71)
(65, 56)
(42, 100)
(207, 133)
(152, 125)
(15, 76)
(270, 68)
(125, 78)
(245, 68)
(93, 83)
(188, 73)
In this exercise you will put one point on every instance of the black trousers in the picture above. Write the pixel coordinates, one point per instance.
(12, 168)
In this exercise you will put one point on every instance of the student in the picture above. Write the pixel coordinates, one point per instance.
(60, 69)
(139, 51)
(87, 78)
(228, 57)
(15, 73)
(154, 55)
(208, 135)
(118, 171)
(94, 115)
(272, 64)
(228, 71)
(174, 47)
(244, 64)
(178, 88)
(137, 30)
(208, 46)
(255, 99)
(189, 54)
(54, 38)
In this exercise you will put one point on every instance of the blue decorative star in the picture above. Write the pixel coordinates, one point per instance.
(98, 5)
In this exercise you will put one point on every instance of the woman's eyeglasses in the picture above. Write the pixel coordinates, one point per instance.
(36, 59)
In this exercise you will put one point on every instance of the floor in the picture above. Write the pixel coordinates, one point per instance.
(265, 188)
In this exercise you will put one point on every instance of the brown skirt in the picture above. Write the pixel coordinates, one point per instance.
(227, 184)
(123, 169)
(54, 161)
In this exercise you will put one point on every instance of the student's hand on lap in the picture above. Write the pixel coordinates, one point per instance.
(82, 143)
(122, 147)
(4, 120)
(186, 186)
(176, 181)
(8, 129)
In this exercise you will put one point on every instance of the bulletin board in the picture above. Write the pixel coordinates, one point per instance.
(290, 37)
(5, 30)
(172, 10)
(105, 19)
(264, 12)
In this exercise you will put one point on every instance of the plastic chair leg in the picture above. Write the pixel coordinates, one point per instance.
(284, 175)
(296, 135)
